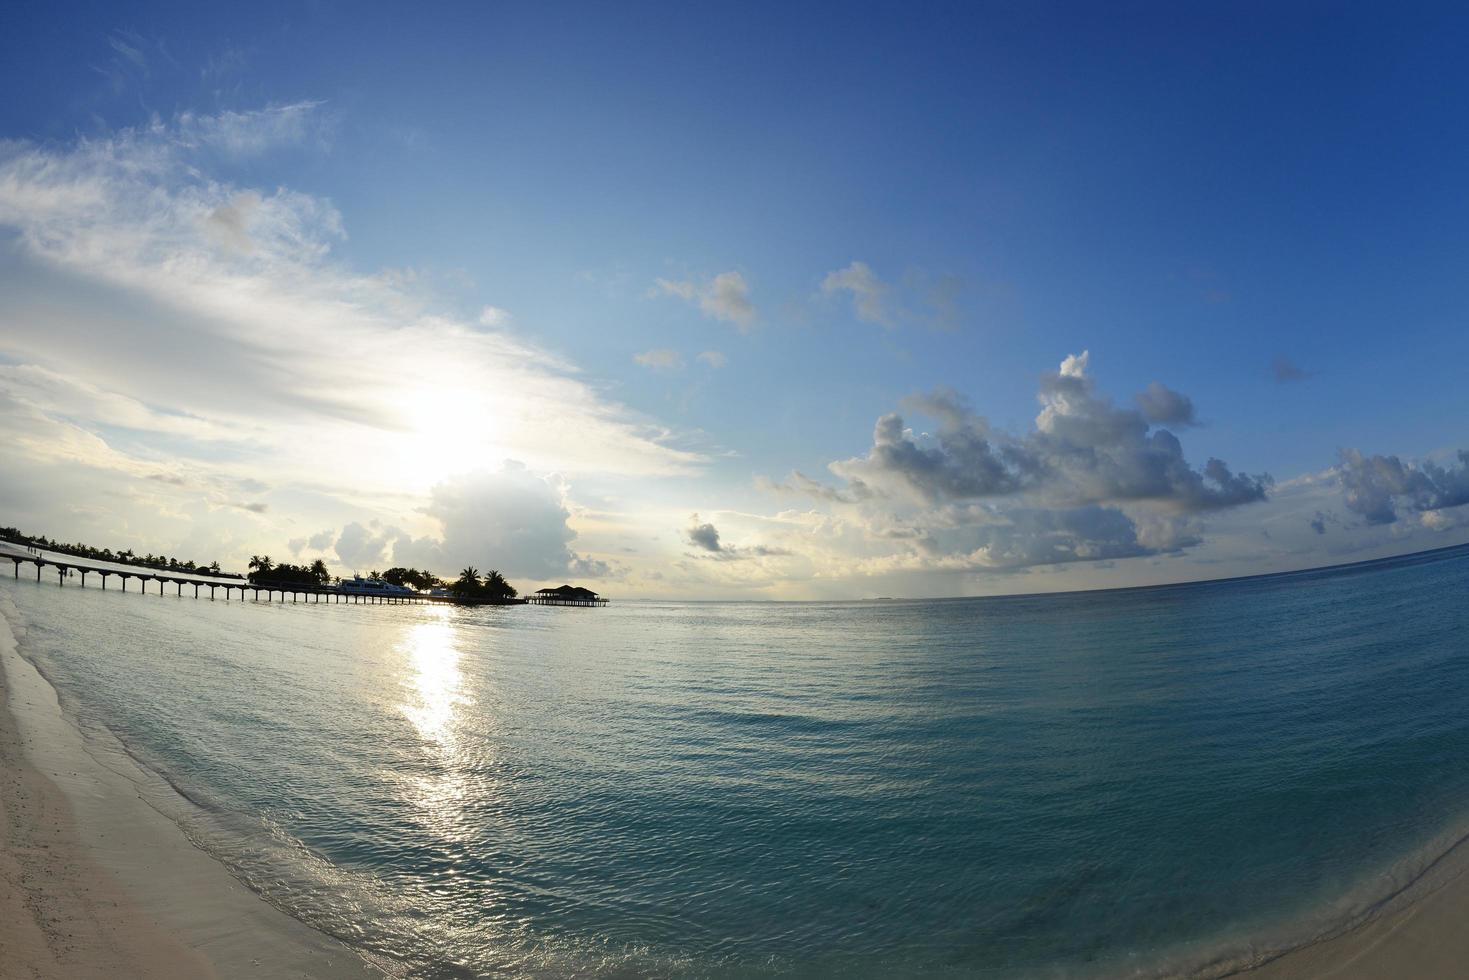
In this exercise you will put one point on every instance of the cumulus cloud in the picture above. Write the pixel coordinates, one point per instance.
(1084, 449)
(725, 297)
(1441, 520)
(510, 519)
(705, 537)
(959, 461)
(362, 548)
(1091, 481)
(1377, 487)
(661, 359)
(702, 535)
(713, 358)
(320, 541)
(870, 295)
(1162, 405)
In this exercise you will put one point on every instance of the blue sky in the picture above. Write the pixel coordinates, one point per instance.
(1257, 206)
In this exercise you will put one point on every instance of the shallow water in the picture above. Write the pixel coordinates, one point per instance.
(1106, 783)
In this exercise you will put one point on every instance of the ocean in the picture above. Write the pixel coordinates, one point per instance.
(1161, 781)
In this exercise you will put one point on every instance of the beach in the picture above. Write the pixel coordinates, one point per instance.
(95, 883)
(1425, 939)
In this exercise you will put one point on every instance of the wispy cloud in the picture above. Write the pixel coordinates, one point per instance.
(250, 133)
(153, 317)
(660, 359)
(494, 317)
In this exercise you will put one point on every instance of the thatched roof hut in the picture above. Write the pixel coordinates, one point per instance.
(566, 595)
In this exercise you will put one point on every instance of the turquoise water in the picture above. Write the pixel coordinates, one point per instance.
(1120, 783)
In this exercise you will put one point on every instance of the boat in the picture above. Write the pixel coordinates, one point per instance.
(358, 585)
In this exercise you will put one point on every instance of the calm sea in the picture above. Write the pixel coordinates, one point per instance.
(1078, 785)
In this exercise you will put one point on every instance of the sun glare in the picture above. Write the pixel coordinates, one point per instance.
(435, 682)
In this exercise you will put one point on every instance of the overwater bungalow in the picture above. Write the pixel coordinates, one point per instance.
(566, 595)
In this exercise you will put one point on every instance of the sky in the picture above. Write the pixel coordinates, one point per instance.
(767, 301)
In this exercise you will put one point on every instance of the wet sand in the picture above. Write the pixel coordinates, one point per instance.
(1425, 940)
(95, 883)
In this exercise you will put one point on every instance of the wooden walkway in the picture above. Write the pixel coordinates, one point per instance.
(68, 566)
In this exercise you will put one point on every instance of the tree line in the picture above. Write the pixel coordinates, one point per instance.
(160, 562)
(411, 578)
(263, 571)
(469, 585)
(491, 585)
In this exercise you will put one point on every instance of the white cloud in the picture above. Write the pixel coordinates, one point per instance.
(229, 224)
(155, 321)
(250, 133)
(870, 295)
(713, 358)
(724, 297)
(1091, 482)
(660, 359)
(511, 519)
(1378, 487)
(493, 316)
(362, 549)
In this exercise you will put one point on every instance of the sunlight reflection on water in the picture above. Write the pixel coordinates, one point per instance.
(435, 681)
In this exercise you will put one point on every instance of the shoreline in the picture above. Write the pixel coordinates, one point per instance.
(96, 882)
(1416, 931)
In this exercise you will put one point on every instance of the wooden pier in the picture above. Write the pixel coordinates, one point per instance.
(66, 566)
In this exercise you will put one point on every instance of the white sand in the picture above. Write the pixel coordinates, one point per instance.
(94, 882)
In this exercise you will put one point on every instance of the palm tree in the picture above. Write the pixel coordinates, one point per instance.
(260, 566)
(496, 585)
(319, 571)
(468, 583)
